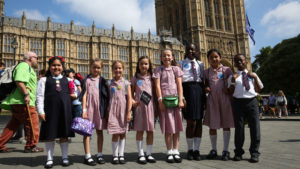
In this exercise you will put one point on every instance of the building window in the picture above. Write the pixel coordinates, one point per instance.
(105, 71)
(207, 14)
(82, 50)
(176, 55)
(217, 13)
(8, 39)
(104, 51)
(36, 46)
(123, 54)
(83, 70)
(156, 57)
(125, 74)
(8, 63)
(142, 52)
(60, 47)
(226, 15)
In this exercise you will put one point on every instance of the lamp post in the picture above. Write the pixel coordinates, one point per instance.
(14, 45)
(231, 46)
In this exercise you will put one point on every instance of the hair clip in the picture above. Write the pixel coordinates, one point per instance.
(61, 58)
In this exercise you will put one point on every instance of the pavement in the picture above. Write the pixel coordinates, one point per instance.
(280, 149)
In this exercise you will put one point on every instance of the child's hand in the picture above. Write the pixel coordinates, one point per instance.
(84, 115)
(207, 89)
(181, 104)
(251, 74)
(162, 106)
(135, 103)
(234, 77)
(43, 117)
(129, 117)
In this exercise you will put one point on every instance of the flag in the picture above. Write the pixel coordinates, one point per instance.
(249, 30)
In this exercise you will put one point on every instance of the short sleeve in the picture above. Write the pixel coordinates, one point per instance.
(157, 73)
(22, 73)
(77, 83)
(228, 72)
(133, 79)
(177, 71)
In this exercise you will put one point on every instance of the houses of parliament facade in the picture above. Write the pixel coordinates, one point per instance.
(207, 23)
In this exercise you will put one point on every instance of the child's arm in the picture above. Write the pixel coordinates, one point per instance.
(84, 110)
(134, 102)
(180, 92)
(257, 83)
(159, 95)
(129, 104)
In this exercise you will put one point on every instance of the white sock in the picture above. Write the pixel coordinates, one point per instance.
(149, 150)
(49, 150)
(121, 147)
(190, 142)
(139, 144)
(175, 151)
(226, 138)
(169, 152)
(64, 149)
(99, 154)
(213, 140)
(197, 142)
(88, 156)
(115, 148)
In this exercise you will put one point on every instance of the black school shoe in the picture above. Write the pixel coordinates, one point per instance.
(225, 155)
(254, 159)
(170, 158)
(177, 158)
(142, 160)
(237, 158)
(196, 155)
(122, 160)
(150, 159)
(212, 155)
(90, 161)
(100, 160)
(65, 162)
(189, 155)
(48, 165)
(115, 160)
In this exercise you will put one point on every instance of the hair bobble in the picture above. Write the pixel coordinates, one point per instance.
(61, 58)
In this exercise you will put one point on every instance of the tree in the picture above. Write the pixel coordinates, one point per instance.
(265, 53)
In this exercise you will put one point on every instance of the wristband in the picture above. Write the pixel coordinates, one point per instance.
(160, 98)
(26, 94)
(84, 110)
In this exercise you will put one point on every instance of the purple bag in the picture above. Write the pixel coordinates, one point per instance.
(82, 126)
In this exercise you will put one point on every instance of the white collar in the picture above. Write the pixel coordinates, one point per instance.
(57, 77)
(240, 72)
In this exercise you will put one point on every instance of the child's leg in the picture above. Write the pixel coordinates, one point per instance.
(64, 146)
(279, 111)
(115, 144)
(198, 135)
(149, 142)
(86, 145)
(190, 131)
(139, 142)
(285, 111)
(99, 142)
(213, 138)
(168, 141)
(49, 150)
(226, 138)
(122, 144)
(175, 143)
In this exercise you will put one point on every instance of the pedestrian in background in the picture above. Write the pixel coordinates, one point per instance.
(281, 103)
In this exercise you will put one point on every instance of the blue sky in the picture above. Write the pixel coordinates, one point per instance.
(272, 20)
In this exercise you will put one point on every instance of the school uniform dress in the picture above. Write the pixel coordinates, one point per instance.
(117, 118)
(93, 103)
(54, 101)
(218, 106)
(245, 105)
(171, 120)
(193, 88)
(144, 114)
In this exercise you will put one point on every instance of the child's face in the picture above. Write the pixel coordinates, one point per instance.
(167, 57)
(214, 59)
(95, 69)
(56, 67)
(191, 51)
(240, 62)
(144, 66)
(118, 70)
(71, 75)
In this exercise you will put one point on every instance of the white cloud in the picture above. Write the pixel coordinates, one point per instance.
(122, 13)
(284, 20)
(30, 14)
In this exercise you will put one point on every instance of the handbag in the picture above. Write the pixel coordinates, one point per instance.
(170, 101)
(82, 126)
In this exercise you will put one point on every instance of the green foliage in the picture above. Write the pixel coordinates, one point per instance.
(280, 67)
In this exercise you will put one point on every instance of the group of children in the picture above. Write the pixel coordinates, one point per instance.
(108, 104)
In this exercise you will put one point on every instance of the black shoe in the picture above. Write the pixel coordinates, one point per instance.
(115, 160)
(196, 155)
(89, 161)
(225, 156)
(170, 158)
(150, 159)
(48, 165)
(100, 160)
(122, 160)
(254, 159)
(177, 158)
(142, 160)
(65, 162)
(212, 154)
(237, 158)
(189, 155)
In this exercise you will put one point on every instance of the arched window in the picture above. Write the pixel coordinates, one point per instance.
(217, 14)
(207, 14)
(226, 15)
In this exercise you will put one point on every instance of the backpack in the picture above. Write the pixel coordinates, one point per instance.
(7, 84)
(79, 77)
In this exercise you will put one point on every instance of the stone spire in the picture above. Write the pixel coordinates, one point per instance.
(23, 19)
(132, 33)
(72, 26)
(2, 7)
(93, 28)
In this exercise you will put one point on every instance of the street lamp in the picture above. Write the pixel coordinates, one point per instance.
(14, 45)
(231, 46)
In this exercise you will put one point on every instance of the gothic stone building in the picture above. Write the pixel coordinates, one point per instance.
(208, 23)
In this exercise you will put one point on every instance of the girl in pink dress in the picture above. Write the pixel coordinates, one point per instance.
(218, 106)
(167, 79)
(144, 113)
(94, 103)
(119, 111)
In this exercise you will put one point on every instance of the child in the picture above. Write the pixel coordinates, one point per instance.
(281, 103)
(167, 79)
(144, 113)
(94, 103)
(218, 105)
(246, 85)
(119, 111)
(192, 82)
(54, 107)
